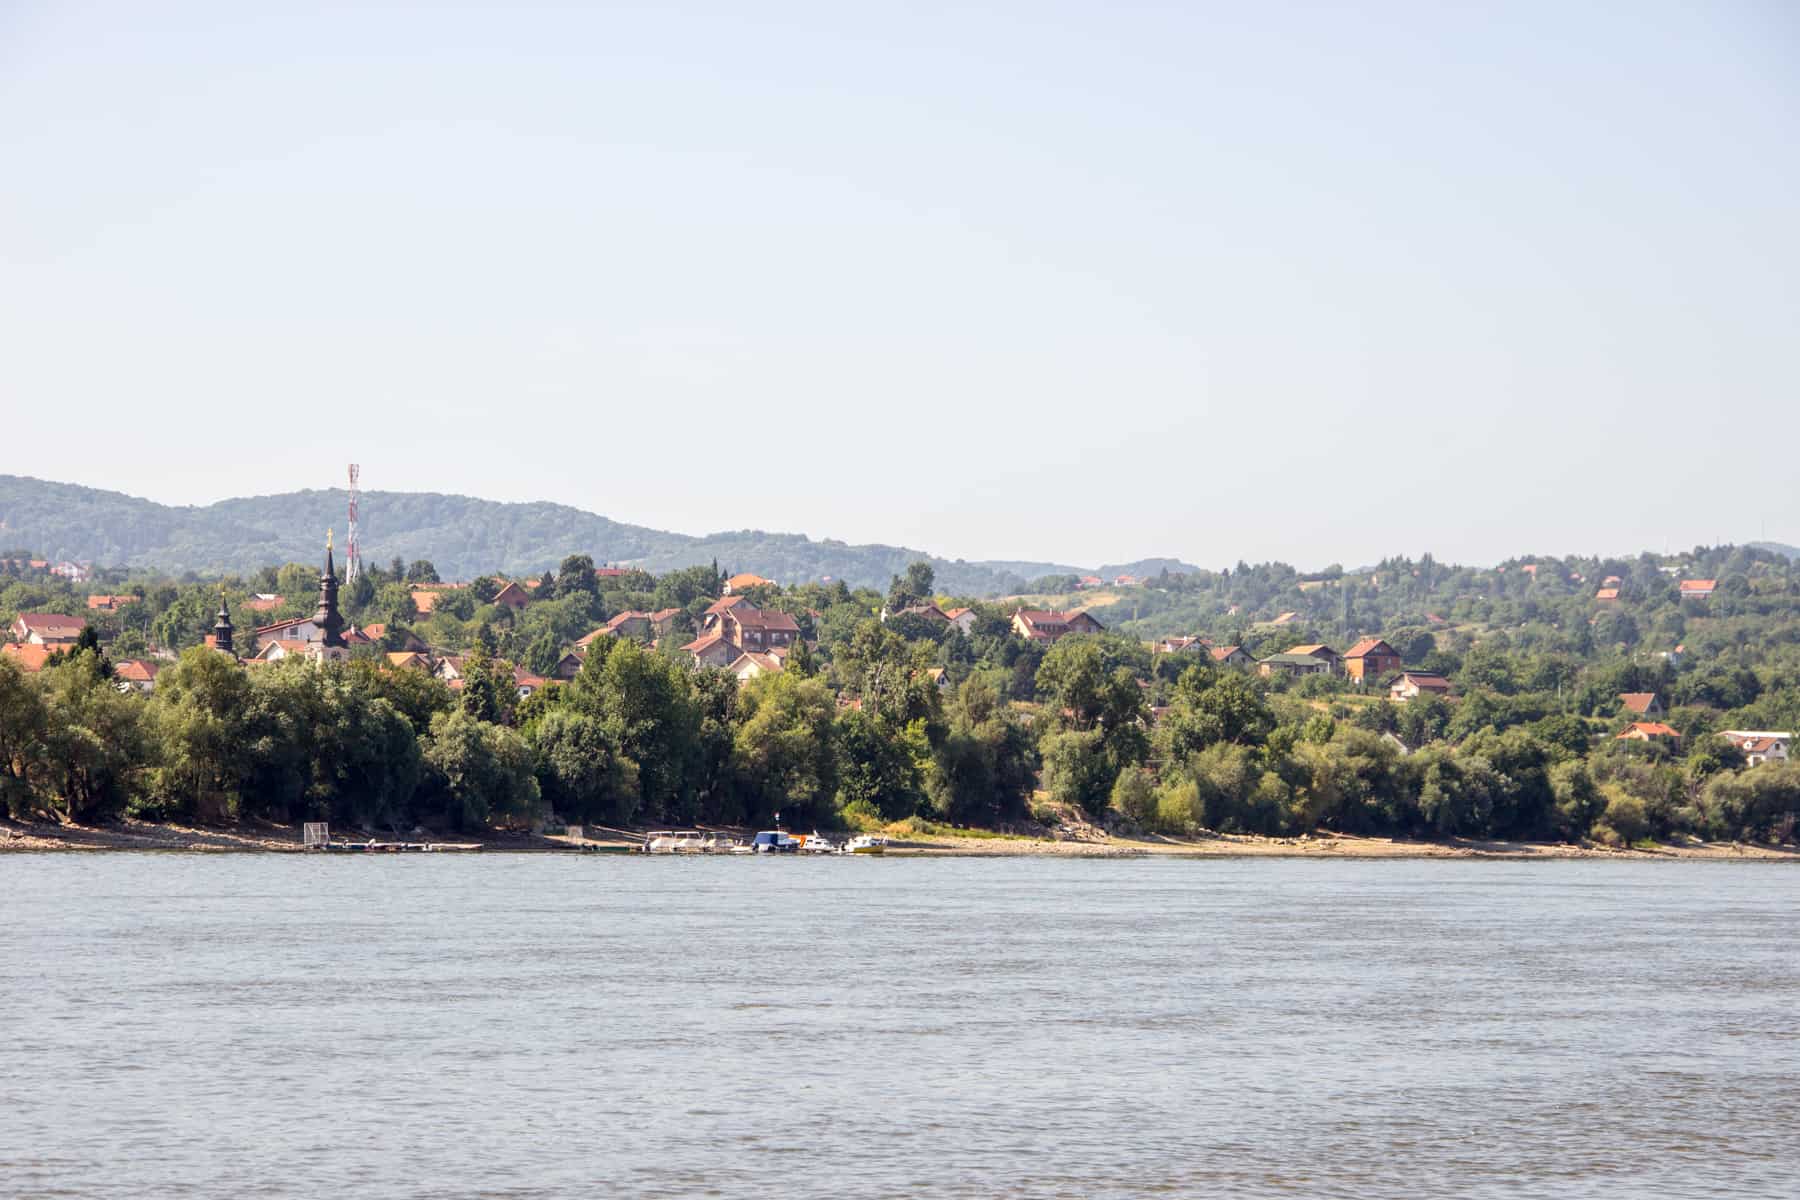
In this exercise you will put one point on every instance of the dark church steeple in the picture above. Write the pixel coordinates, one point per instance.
(329, 621)
(222, 630)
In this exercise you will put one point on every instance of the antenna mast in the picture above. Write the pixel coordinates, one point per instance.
(352, 544)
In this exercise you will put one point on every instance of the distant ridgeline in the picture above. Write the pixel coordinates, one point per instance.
(462, 536)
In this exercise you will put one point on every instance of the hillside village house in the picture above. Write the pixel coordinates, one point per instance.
(31, 658)
(1760, 745)
(1413, 684)
(135, 675)
(1697, 589)
(1606, 595)
(634, 624)
(109, 603)
(512, 597)
(425, 597)
(1371, 658)
(1642, 704)
(963, 619)
(1320, 651)
(748, 627)
(1183, 645)
(1231, 656)
(930, 612)
(744, 582)
(408, 639)
(46, 629)
(749, 666)
(713, 650)
(264, 602)
(1647, 731)
(1036, 625)
(1292, 664)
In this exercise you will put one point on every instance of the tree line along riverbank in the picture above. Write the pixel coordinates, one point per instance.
(874, 721)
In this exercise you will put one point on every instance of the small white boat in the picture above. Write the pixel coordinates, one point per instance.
(689, 841)
(817, 843)
(680, 841)
(864, 843)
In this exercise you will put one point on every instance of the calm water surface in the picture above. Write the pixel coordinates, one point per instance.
(553, 1026)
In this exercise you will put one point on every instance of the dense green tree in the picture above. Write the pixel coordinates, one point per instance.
(581, 772)
(914, 587)
(1078, 771)
(786, 748)
(95, 745)
(648, 702)
(479, 772)
(199, 717)
(24, 721)
(576, 577)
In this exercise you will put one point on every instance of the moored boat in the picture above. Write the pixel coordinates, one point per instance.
(864, 843)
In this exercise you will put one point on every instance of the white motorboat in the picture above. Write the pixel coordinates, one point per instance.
(679, 841)
(864, 843)
(817, 843)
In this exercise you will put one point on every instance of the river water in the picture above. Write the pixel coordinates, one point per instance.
(553, 1026)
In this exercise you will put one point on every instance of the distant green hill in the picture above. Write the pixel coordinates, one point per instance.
(1780, 548)
(462, 536)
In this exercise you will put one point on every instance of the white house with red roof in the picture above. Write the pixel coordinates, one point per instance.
(1761, 745)
(1697, 589)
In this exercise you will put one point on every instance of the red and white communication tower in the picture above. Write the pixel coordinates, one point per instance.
(353, 544)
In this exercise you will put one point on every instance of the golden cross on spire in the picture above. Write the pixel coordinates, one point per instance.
(328, 538)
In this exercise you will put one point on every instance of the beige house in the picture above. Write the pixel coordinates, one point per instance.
(1037, 625)
(46, 629)
(1413, 684)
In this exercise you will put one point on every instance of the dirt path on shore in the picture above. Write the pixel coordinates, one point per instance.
(268, 838)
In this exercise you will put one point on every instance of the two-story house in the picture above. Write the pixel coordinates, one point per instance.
(1037, 625)
(1369, 659)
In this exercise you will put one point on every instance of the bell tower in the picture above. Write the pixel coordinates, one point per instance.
(327, 618)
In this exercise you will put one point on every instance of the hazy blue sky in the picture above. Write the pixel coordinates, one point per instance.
(1063, 281)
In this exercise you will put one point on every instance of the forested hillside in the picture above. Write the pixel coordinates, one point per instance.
(463, 536)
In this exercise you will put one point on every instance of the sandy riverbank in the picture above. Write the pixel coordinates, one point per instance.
(1331, 846)
(269, 838)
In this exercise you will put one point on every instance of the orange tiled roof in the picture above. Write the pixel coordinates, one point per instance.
(30, 657)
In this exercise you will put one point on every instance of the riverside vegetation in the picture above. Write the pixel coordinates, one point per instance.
(856, 731)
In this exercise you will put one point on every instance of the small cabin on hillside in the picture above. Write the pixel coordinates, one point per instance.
(1413, 684)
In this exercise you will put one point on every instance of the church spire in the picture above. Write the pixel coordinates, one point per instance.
(327, 618)
(222, 629)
